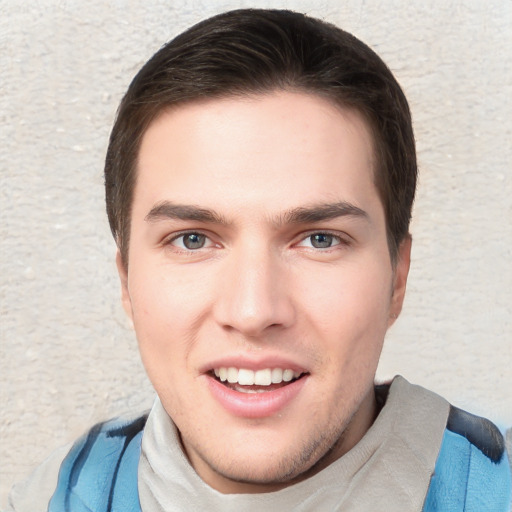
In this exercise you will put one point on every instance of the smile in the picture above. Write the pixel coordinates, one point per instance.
(255, 393)
(263, 377)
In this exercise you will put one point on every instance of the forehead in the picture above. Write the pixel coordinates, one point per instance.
(276, 150)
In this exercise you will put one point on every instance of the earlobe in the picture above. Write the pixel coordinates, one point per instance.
(400, 278)
(125, 294)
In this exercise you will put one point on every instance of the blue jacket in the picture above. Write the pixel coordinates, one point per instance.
(472, 473)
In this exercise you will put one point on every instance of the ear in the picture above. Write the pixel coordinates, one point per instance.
(400, 279)
(125, 294)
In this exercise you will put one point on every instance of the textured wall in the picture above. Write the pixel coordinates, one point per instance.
(67, 356)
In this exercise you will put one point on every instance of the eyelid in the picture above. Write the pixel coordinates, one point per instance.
(342, 237)
(169, 239)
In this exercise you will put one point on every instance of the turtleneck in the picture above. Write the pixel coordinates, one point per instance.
(389, 469)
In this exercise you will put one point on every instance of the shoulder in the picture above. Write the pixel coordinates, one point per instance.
(106, 450)
(101, 467)
(472, 471)
(33, 493)
(478, 432)
(114, 434)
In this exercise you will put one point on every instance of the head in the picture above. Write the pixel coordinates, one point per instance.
(259, 180)
(250, 51)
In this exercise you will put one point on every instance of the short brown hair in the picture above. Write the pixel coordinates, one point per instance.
(250, 51)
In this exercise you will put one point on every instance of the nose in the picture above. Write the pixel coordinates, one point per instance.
(254, 295)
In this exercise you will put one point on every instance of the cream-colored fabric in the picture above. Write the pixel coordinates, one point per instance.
(34, 493)
(389, 469)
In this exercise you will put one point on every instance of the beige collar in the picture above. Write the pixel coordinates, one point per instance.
(389, 469)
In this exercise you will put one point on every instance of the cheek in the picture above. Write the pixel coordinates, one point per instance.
(168, 308)
(348, 313)
(164, 300)
(157, 324)
(353, 296)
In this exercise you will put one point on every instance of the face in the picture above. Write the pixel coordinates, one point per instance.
(260, 283)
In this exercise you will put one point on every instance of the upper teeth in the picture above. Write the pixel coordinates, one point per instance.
(259, 377)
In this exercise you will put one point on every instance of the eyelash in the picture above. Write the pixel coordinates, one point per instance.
(341, 241)
(176, 236)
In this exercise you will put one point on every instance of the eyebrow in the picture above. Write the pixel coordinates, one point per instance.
(168, 210)
(301, 215)
(321, 212)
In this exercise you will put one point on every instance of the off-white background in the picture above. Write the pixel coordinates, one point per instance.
(67, 356)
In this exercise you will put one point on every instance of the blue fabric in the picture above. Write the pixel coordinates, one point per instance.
(100, 472)
(466, 480)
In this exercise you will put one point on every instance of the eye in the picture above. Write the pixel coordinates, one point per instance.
(320, 241)
(191, 241)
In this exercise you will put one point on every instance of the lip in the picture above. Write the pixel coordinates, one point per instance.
(254, 405)
(254, 364)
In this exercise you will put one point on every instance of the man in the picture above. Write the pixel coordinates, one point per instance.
(259, 183)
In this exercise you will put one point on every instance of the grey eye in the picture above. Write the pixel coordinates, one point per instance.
(194, 240)
(321, 240)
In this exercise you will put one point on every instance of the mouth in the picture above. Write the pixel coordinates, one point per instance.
(264, 380)
(256, 390)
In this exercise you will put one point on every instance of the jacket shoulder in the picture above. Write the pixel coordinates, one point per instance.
(480, 432)
(472, 472)
(101, 468)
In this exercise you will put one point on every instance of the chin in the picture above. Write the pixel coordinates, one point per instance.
(259, 470)
(250, 478)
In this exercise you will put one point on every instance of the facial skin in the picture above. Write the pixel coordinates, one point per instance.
(286, 265)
